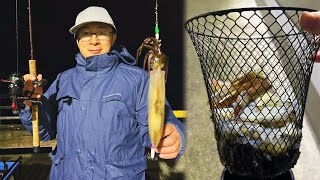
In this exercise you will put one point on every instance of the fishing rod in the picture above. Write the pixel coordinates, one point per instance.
(15, 82)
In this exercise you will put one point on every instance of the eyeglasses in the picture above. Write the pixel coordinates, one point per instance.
(86, 36)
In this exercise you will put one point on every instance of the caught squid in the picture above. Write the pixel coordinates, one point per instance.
(255, 84)
(269, 115)
(248, 110)
(156, 62)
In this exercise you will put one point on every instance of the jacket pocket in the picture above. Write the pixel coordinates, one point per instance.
(118, 97)
(57, 168)
(60, 169)
(56, 159)
(126, 168)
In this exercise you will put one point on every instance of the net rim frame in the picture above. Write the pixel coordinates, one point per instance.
(266, 8)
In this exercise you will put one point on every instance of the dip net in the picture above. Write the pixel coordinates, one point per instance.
(256, 64)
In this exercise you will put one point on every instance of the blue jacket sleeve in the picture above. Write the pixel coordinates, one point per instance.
(47, 114)
(142, 116)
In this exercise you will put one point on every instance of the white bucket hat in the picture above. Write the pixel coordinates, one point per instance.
(92, 14)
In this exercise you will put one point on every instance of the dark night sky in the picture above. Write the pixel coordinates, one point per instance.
(54, 48)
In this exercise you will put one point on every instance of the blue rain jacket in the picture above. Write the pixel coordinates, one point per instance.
(98, 111)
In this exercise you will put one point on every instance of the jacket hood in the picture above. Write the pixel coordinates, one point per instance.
(123, 54)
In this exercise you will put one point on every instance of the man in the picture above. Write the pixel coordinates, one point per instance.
(99, 109)
(310, 21)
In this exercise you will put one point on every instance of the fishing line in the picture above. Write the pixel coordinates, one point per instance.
(156, 28)
(17, 39)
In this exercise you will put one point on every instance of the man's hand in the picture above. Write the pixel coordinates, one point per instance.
(169, 145)
(310, 21)
(28, 87)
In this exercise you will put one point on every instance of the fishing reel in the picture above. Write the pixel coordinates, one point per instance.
(17, 94)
